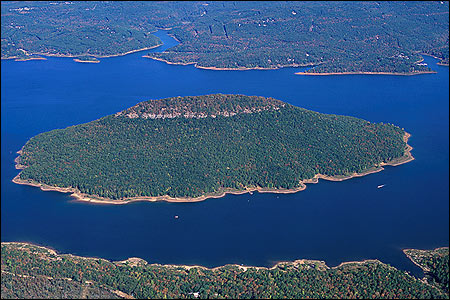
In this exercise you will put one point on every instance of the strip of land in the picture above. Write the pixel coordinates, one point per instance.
(196, 65)
(17, 58)
(29, 58)
(136, 261)
(30, 271)
(407, 157)
(368, 73)
(287, 66)
(86, 61)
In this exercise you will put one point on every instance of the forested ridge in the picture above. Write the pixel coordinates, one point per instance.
(29, 272)
(330, 36)
(333, 37)
(250, 142)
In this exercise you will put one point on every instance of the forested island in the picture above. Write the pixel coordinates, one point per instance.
(30, 271)
(196, 147)
(86, 59)
(331, 37)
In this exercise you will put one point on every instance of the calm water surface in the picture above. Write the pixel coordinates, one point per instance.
(331, 221)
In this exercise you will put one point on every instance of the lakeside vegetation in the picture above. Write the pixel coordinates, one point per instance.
(333, 37)
(434, 263)
(73, 29)
(192, 146)
(30, 271)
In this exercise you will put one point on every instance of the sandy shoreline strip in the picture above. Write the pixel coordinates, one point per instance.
(86, 61)
(368, 73)
(30, 58)
(407, 157)
(136, 260)
(78, 55)
(19, 58)
(286, 66)
(225, 69)
(229, 69)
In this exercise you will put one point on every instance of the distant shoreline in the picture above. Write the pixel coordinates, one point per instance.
(29, 58)
(440, 63)
(17, 58)
(86, 61)
(368, 73)
(87, 54)
(407, 157)
(287, 66)
(226, 69)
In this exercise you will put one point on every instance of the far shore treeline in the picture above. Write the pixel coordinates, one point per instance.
(330, 36)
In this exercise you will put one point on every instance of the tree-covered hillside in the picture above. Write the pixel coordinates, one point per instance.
(435, 265)
(33, 272)
(333, 36)
(202, 145)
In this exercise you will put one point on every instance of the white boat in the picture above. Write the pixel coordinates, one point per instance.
(380, 186)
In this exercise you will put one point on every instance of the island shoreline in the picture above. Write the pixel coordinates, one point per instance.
(407, 157)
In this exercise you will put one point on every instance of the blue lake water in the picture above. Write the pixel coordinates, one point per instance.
(331, 221)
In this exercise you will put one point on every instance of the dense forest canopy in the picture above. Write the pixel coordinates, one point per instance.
(333, 36)
(201, 145)
(33, 272)
(435, 263)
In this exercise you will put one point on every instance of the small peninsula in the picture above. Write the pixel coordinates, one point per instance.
(435, 265)
(186, 149)
(86, 59)
(31, 271)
